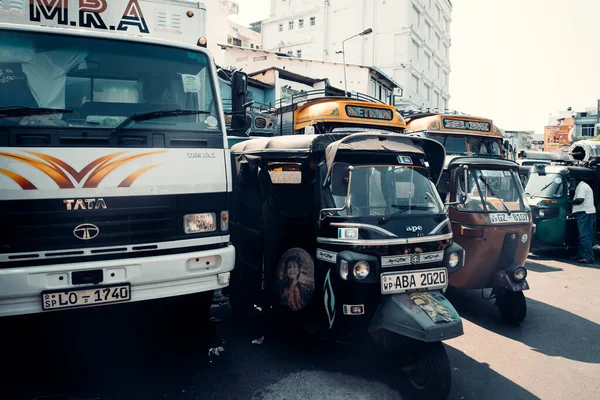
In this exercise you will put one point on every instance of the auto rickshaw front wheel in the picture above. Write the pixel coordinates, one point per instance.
(512, 306)
(431, 375)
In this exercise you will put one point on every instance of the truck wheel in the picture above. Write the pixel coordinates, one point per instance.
(513, 307)
(431, 375)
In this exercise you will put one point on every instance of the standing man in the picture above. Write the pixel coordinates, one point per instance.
(585, 213)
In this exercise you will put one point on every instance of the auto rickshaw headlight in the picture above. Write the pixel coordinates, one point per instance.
(453, 260)
(520, 274)
(344, 270)
(361, 270)
(542, 213)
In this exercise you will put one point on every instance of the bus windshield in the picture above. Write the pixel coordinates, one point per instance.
(387, 190)
(491, 191)
(97, 83)
(485, 146)
(454, 145)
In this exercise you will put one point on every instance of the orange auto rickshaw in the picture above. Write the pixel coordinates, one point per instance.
(491, 220)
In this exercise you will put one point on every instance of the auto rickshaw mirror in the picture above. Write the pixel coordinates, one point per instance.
(340, 179)
(540, 169)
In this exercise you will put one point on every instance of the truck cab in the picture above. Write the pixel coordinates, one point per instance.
(114, 165)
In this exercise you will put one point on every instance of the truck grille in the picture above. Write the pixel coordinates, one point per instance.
(57, 232)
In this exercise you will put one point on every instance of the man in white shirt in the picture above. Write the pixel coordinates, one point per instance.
(585, 213)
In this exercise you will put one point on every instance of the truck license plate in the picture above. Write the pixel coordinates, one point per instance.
(91, 296)
(400, 282)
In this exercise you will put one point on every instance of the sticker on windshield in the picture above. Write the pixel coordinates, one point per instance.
(211, 122)
(191, 83)
(405, 160)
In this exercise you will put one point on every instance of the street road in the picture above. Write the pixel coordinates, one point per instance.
(145, 351)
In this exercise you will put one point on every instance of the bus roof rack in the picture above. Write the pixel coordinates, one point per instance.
(428, 112)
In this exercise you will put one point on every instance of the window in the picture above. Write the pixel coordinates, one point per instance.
(290, 53)
(428, 59)
(374, 90)
(280, 27)
(97, 93)
(299, 53)
(446, 52)
(416, 51)
(257, 47)
(588, 130)
(427, 92)
(313, 21)
(438, 13)
(436, 100)
(429, 30)
(438, 70)
(445, 78)
(237, 42)
(251, 45)
(438, 42)
(444, 104)
(301, 23)
(291, 25)
(415, 84)
(416, 15)
(447, 25)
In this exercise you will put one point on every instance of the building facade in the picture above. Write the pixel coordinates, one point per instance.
(410, 40)
(520, 140)
(269, 66)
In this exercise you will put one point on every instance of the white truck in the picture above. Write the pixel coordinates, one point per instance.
(115, 173)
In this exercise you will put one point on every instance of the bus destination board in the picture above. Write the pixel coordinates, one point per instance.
(369, 113)
(466, 125)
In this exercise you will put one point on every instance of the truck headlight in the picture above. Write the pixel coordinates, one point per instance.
(199, 223)
(361, 270)
(453, 260)
(520, 274)
(224, 221)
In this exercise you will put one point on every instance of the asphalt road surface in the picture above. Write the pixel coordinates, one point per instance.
(147, 351)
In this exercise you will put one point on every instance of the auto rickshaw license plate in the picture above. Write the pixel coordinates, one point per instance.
(513, 218)
(400, 282)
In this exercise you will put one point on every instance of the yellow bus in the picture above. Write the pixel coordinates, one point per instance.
(314, 112)
(460, 134)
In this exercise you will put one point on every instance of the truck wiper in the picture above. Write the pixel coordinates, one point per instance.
(9, 112)
(402, 210)
(493, 194)
(147, 116)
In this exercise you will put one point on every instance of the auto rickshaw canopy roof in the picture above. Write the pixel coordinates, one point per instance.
(455, 162)
(301, 146)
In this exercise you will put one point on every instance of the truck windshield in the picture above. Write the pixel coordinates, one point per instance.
(97, 83)
(545, 186)
(490, 191)
(387, 190)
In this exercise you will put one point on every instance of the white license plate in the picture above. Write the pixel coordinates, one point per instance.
(91, 296)
(400, 282)
(514, 218)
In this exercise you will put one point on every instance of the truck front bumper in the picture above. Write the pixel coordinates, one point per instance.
(150, 278)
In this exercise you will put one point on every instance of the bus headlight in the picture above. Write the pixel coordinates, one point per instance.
(453, 260)
(361, 270)
(199, 223)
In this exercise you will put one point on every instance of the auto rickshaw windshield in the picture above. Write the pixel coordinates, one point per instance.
(386, 190)
(545, 186)
(491, 191)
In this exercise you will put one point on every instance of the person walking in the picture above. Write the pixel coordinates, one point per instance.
(585, 213)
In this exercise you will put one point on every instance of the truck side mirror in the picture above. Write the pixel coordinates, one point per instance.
(340, 179)
(239, 101)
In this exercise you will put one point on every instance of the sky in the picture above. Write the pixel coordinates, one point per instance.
(515, 61)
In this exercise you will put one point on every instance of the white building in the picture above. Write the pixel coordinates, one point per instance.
(520, 140)
(260, 62)
(410, 40)
(242, 36)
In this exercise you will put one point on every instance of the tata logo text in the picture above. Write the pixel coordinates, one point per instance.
(85, 204)
(86, 231)
(88, 14)
(414, 229)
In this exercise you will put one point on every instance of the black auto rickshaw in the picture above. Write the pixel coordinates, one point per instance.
(347, 235)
